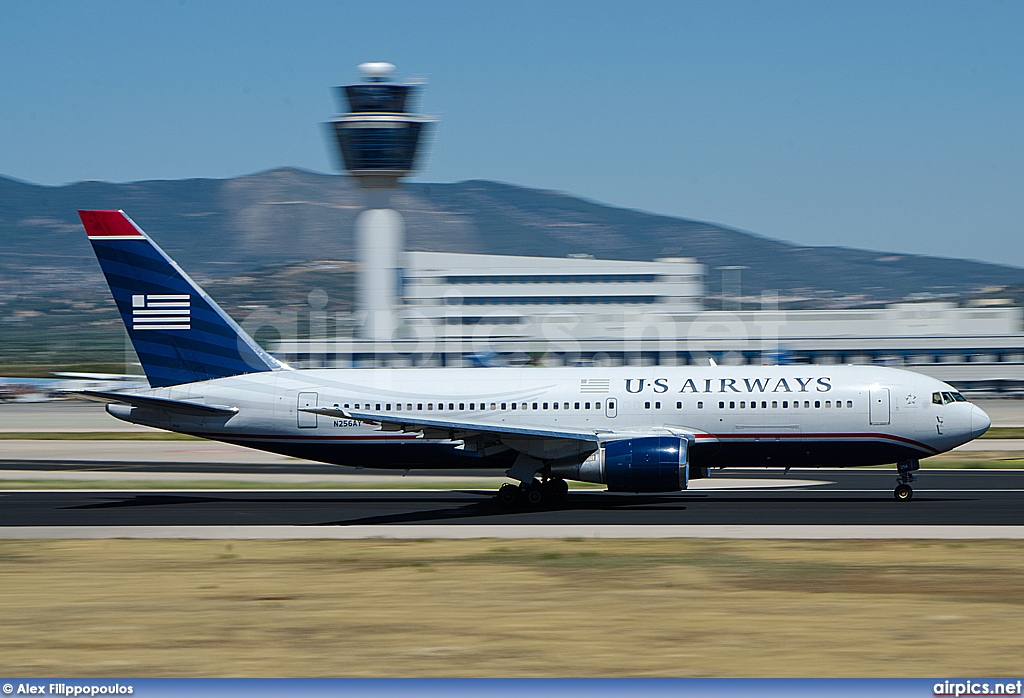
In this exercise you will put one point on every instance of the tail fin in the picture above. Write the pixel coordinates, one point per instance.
(180, 334)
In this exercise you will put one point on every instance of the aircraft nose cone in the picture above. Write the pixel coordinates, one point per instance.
(980, 422)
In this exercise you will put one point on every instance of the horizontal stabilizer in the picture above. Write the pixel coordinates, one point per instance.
(154, 403)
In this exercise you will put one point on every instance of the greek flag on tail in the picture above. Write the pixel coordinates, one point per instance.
(180, 334)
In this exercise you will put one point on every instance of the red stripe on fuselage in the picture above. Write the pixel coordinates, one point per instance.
(699, 437)
(815, 437)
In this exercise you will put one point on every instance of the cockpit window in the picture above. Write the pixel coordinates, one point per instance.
(947, 397)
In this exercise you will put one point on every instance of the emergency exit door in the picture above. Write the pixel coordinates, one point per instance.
(306, 420)
(611, 407)
(879, 410)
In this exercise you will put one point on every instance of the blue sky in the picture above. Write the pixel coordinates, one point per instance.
(887, 125)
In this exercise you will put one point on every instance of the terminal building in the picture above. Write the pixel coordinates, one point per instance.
(498, 296)
(476, 310)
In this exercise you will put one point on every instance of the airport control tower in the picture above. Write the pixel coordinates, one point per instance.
(378, 140)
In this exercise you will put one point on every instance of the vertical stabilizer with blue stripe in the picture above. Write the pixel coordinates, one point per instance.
(180, 334)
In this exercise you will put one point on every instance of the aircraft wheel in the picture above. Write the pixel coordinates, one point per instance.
(903, 493)
(535, 495)
(508, 494)
(561, 488)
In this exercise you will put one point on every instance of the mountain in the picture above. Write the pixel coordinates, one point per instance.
(223, 228)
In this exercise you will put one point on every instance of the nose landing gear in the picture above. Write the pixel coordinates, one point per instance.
(905, 469)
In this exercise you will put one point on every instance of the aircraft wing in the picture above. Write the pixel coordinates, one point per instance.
(536, 442)
(154, 403)
(394, 422)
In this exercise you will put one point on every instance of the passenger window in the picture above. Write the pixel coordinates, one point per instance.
(462, 405)
(647, 405)
(472, 405)
(775, 404)
(828, 404)
(503, 405)
(700, 405)
(785, 404)
(764, 404)
(597, 405)
(514, 405)
(535, 405)
(742, 404)
(554, 406)
(817, 404)
(565, 406)
(849, 403)
(545, 405)
(732, 405)
(657, 405)
(807, 403)
(451, 406)
(419, 406)
(586, 405)
(679, 406)
(493, 406)
(430, 406)
(721, 405)
(378, 406)
(577, 406)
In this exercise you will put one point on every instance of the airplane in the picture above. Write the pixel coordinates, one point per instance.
(633, 429)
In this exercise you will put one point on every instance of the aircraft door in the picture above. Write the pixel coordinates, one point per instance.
(611, 407)
(879, 406)
(306, 420)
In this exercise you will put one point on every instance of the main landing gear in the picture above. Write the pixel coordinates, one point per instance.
(905, 475)
(534, 494)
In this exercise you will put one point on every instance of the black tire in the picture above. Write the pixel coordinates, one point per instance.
(560, 488)
(535, 496)
(508, 494)
(903, 493)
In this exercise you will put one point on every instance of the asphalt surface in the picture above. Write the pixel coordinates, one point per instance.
(942, 498)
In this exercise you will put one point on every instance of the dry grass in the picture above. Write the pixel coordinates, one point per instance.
(511, 608)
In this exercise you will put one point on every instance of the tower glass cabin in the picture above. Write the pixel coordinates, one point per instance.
(377, 138)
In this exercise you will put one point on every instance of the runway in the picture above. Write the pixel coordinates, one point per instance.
(944, 500)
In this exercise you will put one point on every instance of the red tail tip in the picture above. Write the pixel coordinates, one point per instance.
(104, 224)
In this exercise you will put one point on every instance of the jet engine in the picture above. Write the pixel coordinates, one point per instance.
(643, 464)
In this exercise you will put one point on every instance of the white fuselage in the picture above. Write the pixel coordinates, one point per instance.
(738, 415)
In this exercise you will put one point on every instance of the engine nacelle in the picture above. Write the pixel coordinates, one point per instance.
(643, 464)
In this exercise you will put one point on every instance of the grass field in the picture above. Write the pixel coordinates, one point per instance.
(511, 608)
